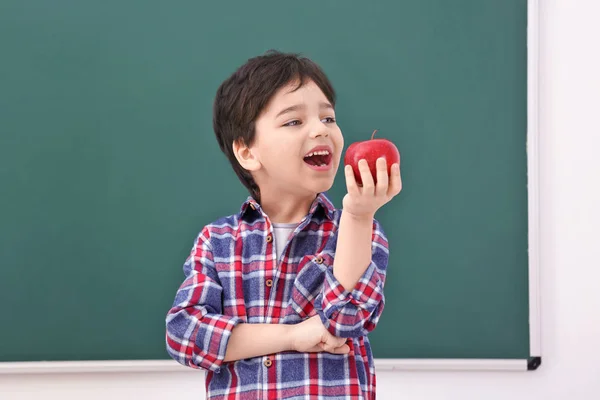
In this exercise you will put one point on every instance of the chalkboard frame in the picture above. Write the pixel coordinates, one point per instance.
(531, 363)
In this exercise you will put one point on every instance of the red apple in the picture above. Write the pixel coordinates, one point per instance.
(371, 150)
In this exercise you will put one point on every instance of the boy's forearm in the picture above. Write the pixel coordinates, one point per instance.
(353, 252)
(255, 340)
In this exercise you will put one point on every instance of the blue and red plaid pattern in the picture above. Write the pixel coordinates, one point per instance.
(225, 284)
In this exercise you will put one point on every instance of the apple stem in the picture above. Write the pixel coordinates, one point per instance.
(373, 135)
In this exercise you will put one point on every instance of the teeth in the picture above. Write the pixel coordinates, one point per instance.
(317, 153)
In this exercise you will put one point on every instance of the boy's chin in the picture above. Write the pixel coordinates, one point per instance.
(320, 187)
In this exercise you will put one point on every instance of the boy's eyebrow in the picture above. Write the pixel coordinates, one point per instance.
(296, 107)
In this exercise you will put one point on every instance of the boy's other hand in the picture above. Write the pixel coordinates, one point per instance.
(311, 336)
(363, 201)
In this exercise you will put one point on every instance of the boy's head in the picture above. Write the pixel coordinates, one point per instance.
(269, 116)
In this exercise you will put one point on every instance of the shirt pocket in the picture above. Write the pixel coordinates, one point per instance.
(307, 286)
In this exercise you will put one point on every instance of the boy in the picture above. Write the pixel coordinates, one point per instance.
(279, 298)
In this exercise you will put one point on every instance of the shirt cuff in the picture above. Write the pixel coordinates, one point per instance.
(213, 336)
(349, 308)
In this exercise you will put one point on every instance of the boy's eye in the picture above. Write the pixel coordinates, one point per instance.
(327, 120)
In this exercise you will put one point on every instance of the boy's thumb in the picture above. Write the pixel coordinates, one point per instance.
(340, 341)
(344, 349)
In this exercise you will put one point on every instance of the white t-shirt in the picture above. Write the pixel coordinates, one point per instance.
(281, 234)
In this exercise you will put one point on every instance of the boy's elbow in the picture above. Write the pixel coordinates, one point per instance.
(190, 355)
(180, 347)
(355, 331)
(194, 362)
(351, 322)
(348, 329)
(176, 350)
(194, 343)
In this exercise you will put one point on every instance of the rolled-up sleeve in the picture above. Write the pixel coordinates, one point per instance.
(355, 313)
(196, 332)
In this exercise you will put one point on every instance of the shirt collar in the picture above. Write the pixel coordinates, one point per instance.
(321, 201)
(325, 203)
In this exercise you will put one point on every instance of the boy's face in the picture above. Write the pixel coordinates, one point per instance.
(294, 125)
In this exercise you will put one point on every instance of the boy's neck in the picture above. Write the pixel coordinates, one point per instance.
(285, 208)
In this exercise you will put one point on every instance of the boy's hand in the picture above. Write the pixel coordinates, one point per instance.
(363, 201)
(310, 336)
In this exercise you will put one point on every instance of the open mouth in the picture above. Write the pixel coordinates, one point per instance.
(321, 158)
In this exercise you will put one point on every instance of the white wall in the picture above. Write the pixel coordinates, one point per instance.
(570, 257)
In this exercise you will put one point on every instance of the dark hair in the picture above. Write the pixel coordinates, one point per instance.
(241, 98)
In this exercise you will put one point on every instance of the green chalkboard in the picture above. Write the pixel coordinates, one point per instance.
(109, 166)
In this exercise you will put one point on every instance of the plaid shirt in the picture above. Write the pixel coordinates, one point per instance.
(232, 277)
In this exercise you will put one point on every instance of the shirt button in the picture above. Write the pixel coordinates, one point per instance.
(269, 282)
(268, 362)
(319, 260)
(269, 238)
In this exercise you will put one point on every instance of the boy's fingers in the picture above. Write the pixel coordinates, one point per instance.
(316, 349)
(395, 181)
(332, 341)
(339, 341)
(326, 346)
(345, 349)
(381, 188)
(367, 178)
(350, 181)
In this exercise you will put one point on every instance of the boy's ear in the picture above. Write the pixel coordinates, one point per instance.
(245, 156)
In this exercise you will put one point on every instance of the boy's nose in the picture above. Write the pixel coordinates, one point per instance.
(319, 131)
